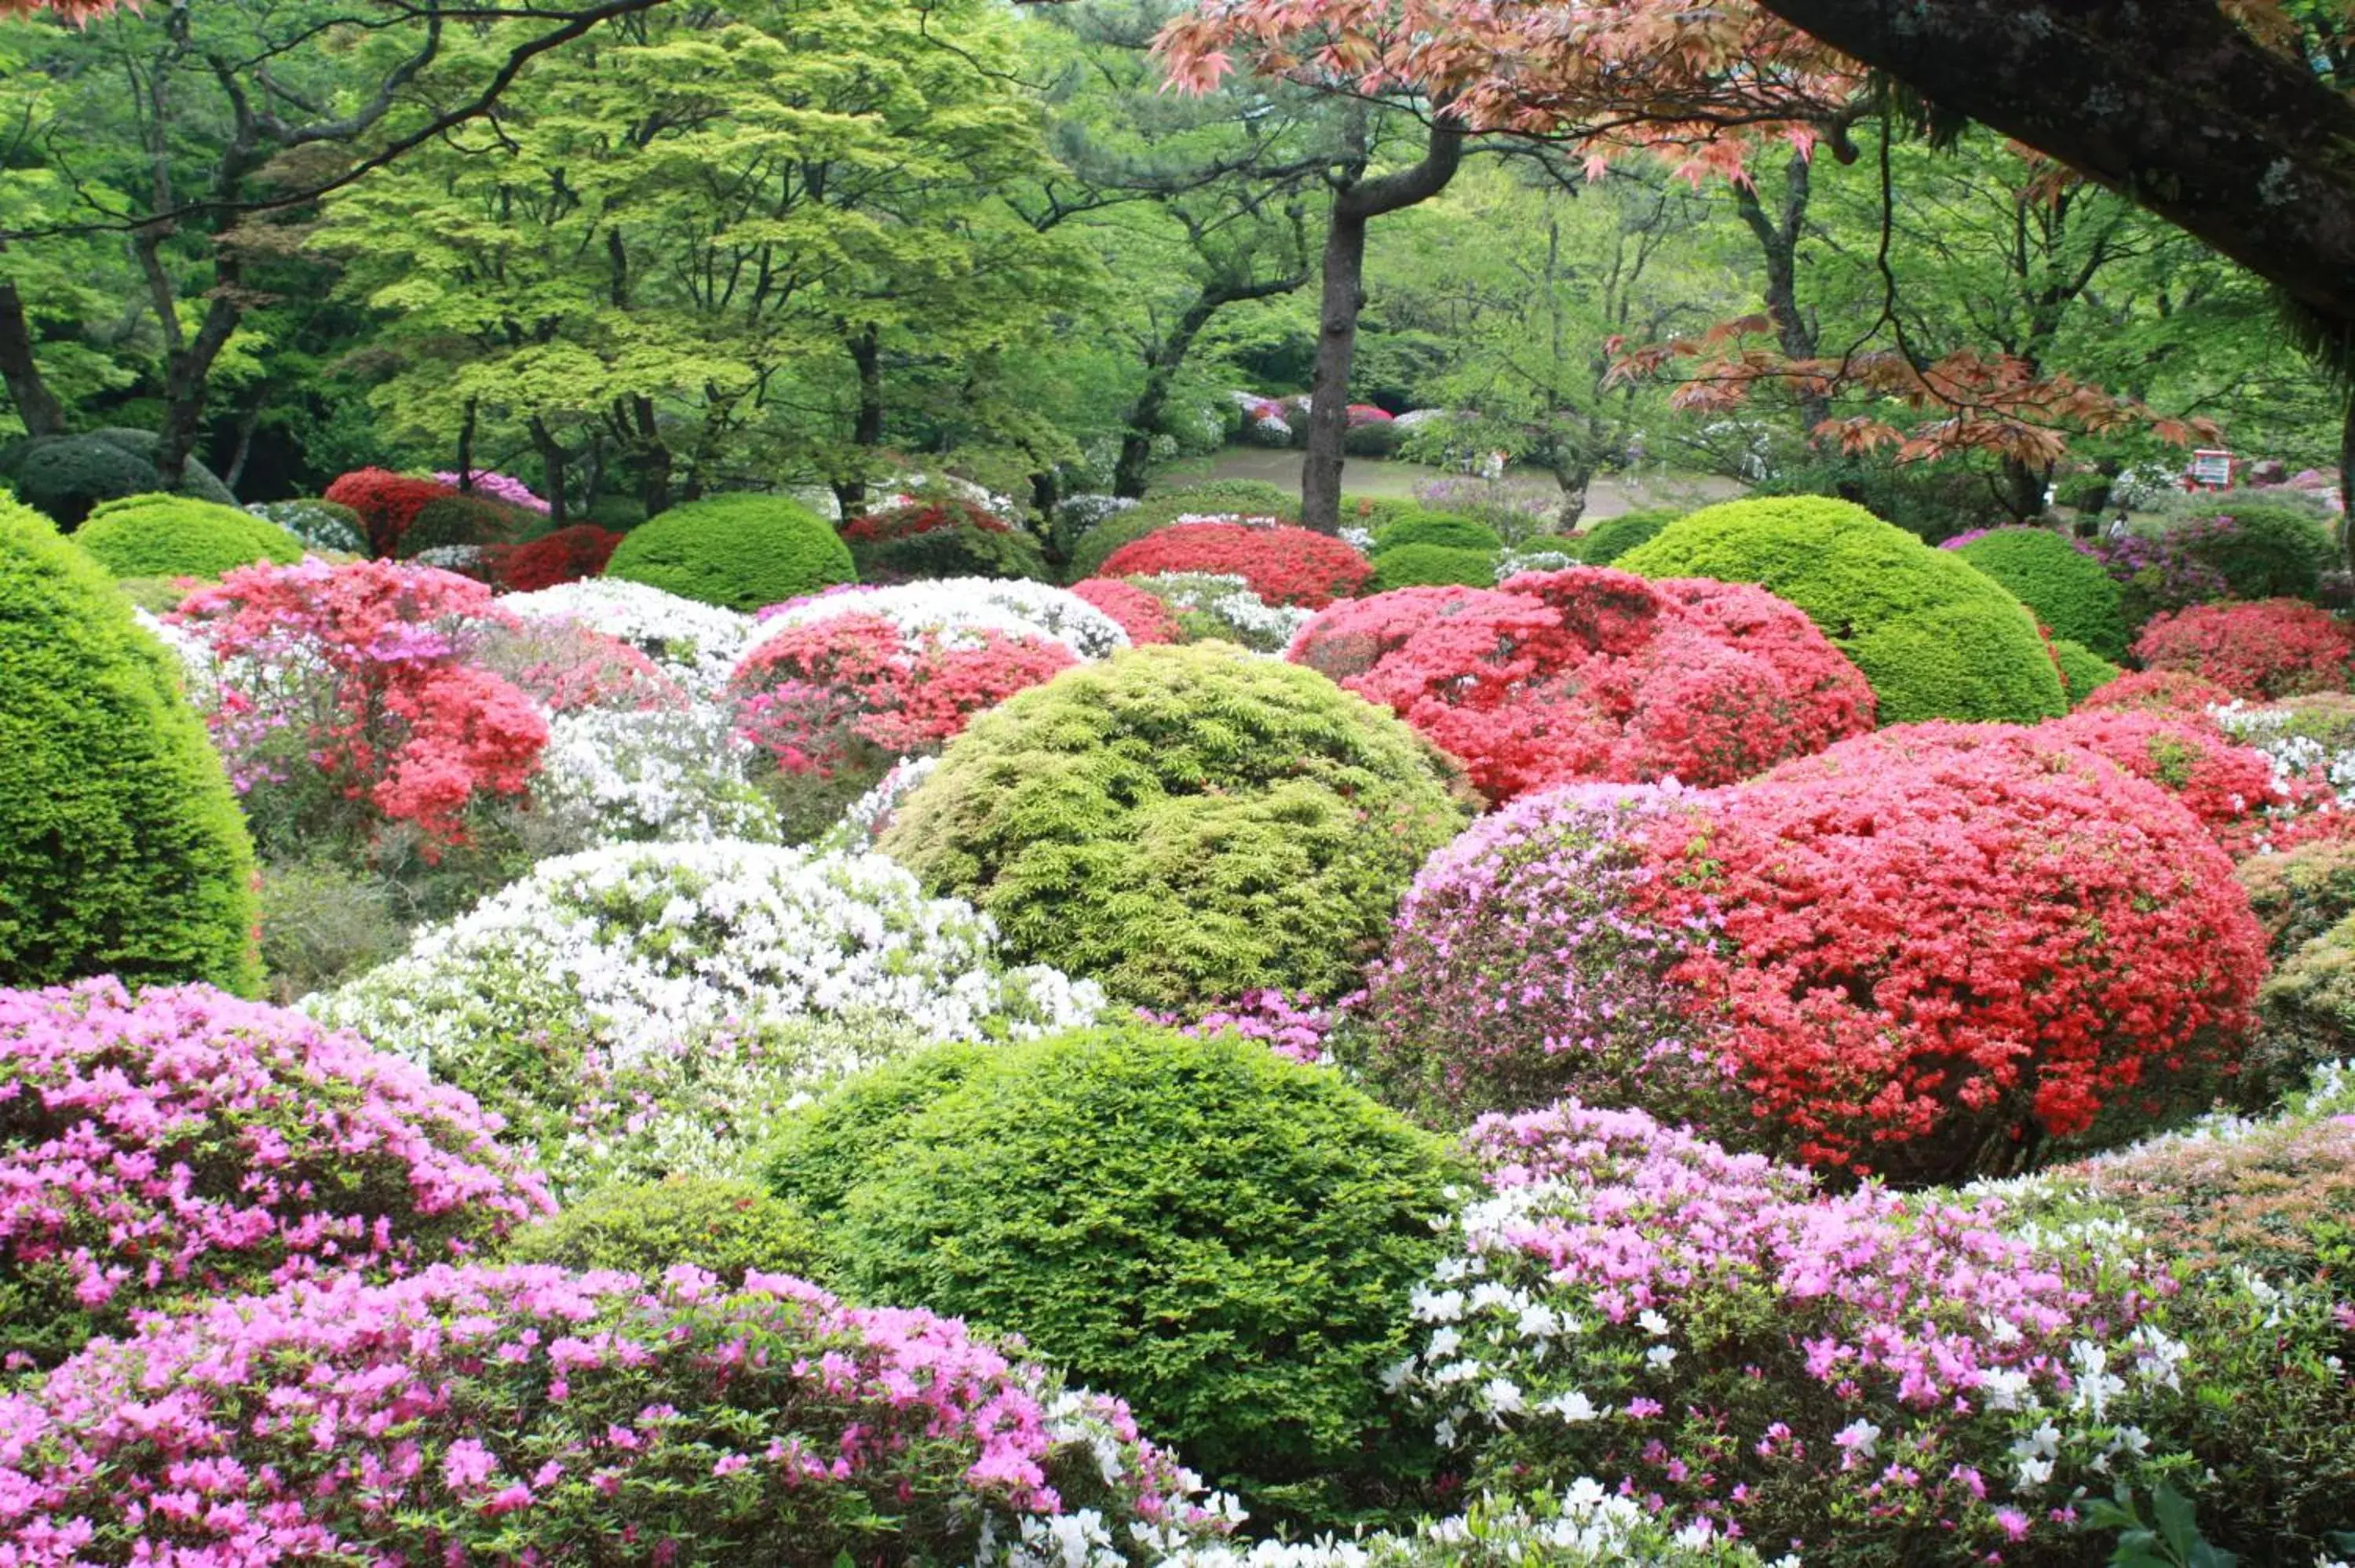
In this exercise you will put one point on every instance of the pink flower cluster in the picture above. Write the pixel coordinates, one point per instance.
(1143, 617)
(568, 668)
(182, 1143)
(531, 1414)
(498, 487)
(2260, 651)
(2228, 786)
(1292, 1026)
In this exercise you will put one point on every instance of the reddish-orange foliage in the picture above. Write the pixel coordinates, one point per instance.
(1283, 566)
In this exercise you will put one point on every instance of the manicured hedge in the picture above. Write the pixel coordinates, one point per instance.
(739, 551)
(1614, 536)
(1432, 566)
(2064, 587)
(178, 535)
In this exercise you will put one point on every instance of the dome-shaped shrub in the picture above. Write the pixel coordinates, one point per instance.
(2158, 691)
(2082, 670)
(1283, 565)
(1227, 499)
(1614, 536)
(720, 1225)
(64, 476)
(387, 504)
(1222, 1237)
(317, 525)
(121, 846)
(1937, 638)
(1184, 824)
(2274, 648)
(175, 535)
(567, 555)
(697, 643)
(528, 1413)
(2064, 587)
(464, 522)
(1415, 527)
(1009, 607)
(1425, 566)
(2309, 1005)
(2269, 551)
(741, 551)
(1145, 618)
(939, 537)
(184, 1144)
(1592, 673)
(2224, 784)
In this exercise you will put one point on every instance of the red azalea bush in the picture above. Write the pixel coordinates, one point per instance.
(386, 503)
(1366, 414)
(1597, 675)
(1143, 617)
(2227, 786)
(1281, 565)
(2261, 650)
(2157, 691)
(1941, 944)
(185, 1143)
(906, 520)
(912, 540)
(567, 555)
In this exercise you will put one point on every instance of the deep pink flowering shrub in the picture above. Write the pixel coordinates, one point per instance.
(160, 1150)
(1145, 618)
(528, 1414)
(1860, 1378)
(1281, 565)
(2226, 785)
(2160, 691)
(502, 488)
(2272, 648)
(1591, 673)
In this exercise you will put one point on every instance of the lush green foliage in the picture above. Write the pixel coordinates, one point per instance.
(2064, 587)
(120, 847)
(1428, 565)
(1415, 527)
(2272, 551)
(178, 535)
(1936, 638)
(2082, 670)
(454, 520)
(1614, 536)
(739, 551)
(1184, 824)
(720, 1224)
(65, 476)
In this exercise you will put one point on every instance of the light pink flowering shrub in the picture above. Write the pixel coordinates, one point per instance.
(530, 1414)
(159, 1149)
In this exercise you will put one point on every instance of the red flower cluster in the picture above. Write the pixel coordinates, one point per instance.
(1145, 618)
(2157, 691)
(855, 692)
(388, 503)
(1594, 673)
(566, 556)
(923, 518)
(1941, 942)
(2263, 650)
(1281, 565)
(1366, 414)
(2224, 784)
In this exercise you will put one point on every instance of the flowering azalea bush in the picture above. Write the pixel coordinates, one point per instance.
(2272, 648)
(387, 504)
(568, 668)
(166, 1147)
(499, 487)
(617, 775)
(565, 555)
(2158, 691)
(530, 1413)
(960, 604)
(913, 538)
(1281, 565)
(1143, 617)
(696, 643)
(1592, 673)
(2228, 786)
(1221, 606)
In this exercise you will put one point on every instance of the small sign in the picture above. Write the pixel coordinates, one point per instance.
(2211, 470)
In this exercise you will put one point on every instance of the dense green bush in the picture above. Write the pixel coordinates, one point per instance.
(1183, 823)
(1420, 527)
(2062, 586)
(2299, 894)
(2307, 1014)
(1424, 566)
(457, 520)
(1614, 536)
(714, 1223)
(65, 476)
(1937, 638)
(1932, 502)
(1225, 1238)
(1373, 439)
(739, 551)
(2272, 551)
(178, 535)
(122, 850)
(2082, 670)
(1376, 513)
(1221, 497)
(324, 922)
(942, 537)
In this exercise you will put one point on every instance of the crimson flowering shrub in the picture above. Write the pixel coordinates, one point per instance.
(386, 503)
(1141, 615)
(1940, 944)
(161, 1149)
(1592, 673)
(940, 536)
(533, 1414)
(2271, 647)
(2227, 786)
(2157, 691)
(566, 556)
(1281, 565)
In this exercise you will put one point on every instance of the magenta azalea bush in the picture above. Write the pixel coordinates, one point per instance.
(162, 1148)
(530, 1414)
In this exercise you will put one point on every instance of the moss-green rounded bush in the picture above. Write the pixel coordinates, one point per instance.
(64, 476)
(1238, 497)
(1185, 823)
(2082, 670)
(739, 551)
(1225, 1238)
(2062, 586)
(2272, 551)
(644, 1228)
(1428, 565)
(122, 850)
(1936, 637)
(454, 520)
(1614, 536)
(178, 536)
(2306, 1011)
(1435, 528)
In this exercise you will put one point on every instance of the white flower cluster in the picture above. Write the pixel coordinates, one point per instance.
(200, 667)
(2295, 758)
(631, 946)
(449, 558)
(1079, 514)
(694, 641)
(1513, 563)
(1012, 607)
(1242, 614)
(318, 524)
(613, 776)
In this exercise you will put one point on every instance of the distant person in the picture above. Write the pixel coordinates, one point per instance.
(1494, 469)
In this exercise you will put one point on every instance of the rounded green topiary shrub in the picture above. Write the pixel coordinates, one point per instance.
(453, 521)
(2065, 588)
(739, 551)
(1225, 1238)
(2271, 551)
(178, 535)
(1437, 528)
(1614, 536)
(2082, 670)
(1936, 637)
(65, 476)
(1432, 566)
(1185, 824)
(122, 850)
(647, 1228)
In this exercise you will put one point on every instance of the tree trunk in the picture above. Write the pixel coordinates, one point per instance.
(1574, 482)
(867, 425)
(188, 374)
(1778, 244)
(552, 460)
(2347, 482)
(466, 449)
(247, 423)
(652, 457)
(37, 407)
(2022, 487)
(1161, 367)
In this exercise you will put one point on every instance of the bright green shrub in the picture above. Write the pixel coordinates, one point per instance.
(1614, 536)
(120, 847)
(2082, 670)
(1437, 528)
(65, 476)
(1937, 638)
(1183, 823)
(739, 551)
(1376, 513)
(180, 536)
(1424, 566)
(2272, 551)
(645, 1228)
(1226, 1238)
(2062, 586)
(2307, 1013)
(1223, 497)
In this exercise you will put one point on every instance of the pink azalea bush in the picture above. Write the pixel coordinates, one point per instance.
(498, 487)
(2261, 650)
(165, 1148)
(529, 1414)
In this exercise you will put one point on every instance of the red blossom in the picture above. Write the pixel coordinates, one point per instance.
(388, 503)
(2157, 691)
(905, 521)
(1281, 565)
(1145, 618)
(2264, 650)
(566, 556)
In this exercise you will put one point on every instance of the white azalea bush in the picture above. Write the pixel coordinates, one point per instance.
(611, 776)
(696, 642)
(1011, 607)
(1215, 605)
(1581, 1527)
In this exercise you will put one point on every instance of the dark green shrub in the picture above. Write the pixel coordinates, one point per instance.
(1936, 637)
(180, 536)
(122, 850)
(1425, 566)
(1184, 824)
(1226, 1238)
(2082, 670)
(2062, 586)
(65, 476)
(1420, 527)
(1376, 513)
(741, 551)
(454, 520)
(644, 1228)
(1603, 543)
(1374, 439)
(1932, 502)
(2272, 551)
(1241, 497)
(619, 513)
